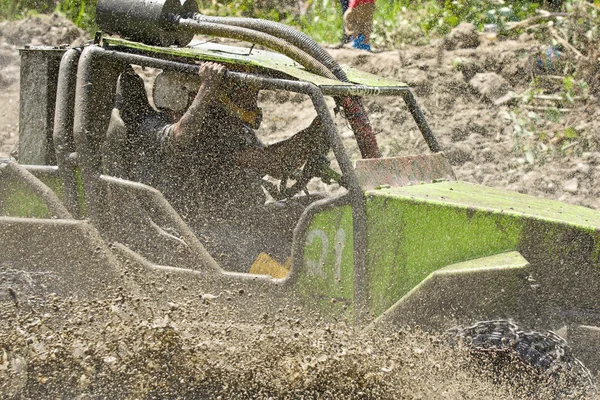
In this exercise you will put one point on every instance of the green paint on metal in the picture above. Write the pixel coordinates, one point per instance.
(464, 194)
(464, 236)
(326, 279)
(365, 78)
(508, 260)
(482, 288)
(415, 230)
(596, 251)
(207, 51)
(19, 201)
(494, 263)
(408, 240)
(80, 192)
(564, 261)
(55, 184)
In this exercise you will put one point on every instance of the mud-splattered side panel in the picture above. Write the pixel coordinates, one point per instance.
(413, 231)
(326, 279)
(408, 240)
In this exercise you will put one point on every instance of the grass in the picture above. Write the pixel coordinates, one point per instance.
(81, 12)
(14, 9)
(415, 22)
(322, 19)
(395, 22)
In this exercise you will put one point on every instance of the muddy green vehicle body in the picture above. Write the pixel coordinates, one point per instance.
(407, 244)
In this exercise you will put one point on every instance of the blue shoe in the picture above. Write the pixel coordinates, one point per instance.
(358, 43)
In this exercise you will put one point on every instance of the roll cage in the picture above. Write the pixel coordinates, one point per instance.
(87, 79)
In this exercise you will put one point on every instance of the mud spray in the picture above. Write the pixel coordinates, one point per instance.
(129, 346)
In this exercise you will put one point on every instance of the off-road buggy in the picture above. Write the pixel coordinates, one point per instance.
(403, 244)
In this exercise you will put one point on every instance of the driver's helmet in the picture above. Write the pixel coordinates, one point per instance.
(174, 90)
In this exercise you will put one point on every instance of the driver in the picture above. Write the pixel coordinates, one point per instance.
(201, 151)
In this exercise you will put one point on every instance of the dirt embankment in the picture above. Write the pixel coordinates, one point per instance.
(469, 97)
(42, 30)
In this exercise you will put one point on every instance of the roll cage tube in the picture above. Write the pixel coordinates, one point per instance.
(63, 128)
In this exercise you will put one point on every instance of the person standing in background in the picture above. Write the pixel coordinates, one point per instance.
(358, 23)
(345, 38)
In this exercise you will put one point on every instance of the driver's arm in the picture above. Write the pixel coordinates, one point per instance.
(287, 155)
(211, 75)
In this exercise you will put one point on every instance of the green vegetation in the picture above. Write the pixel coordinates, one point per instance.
(82, 12)
(11, 9)
(541, 124)
(416, 22)
(395, 22)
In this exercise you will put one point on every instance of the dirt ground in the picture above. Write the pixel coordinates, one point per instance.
(116, 348)
(129, 347)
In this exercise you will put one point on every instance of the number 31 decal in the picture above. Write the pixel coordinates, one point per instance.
(316, 267)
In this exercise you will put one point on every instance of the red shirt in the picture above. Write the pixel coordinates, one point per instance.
(356, 3)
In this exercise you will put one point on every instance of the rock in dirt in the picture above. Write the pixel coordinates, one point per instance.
(593, 158)
(468, 67)
(582, 168)
(571, 186)
(488, 154)
(510, 98)
(491, 86)
(533, 179)
(459, 154)
(464, 36)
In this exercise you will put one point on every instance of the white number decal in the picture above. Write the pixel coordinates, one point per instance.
(316, 267)
(340, 237)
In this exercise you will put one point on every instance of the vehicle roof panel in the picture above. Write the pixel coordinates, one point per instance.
(211, 51)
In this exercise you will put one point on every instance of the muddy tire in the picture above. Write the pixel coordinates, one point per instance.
(545, 353)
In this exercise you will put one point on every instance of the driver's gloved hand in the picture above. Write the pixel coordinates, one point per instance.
(131, 98)
(318, 137)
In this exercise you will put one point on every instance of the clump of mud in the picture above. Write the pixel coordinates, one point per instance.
(43, 30)
(126, 347)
